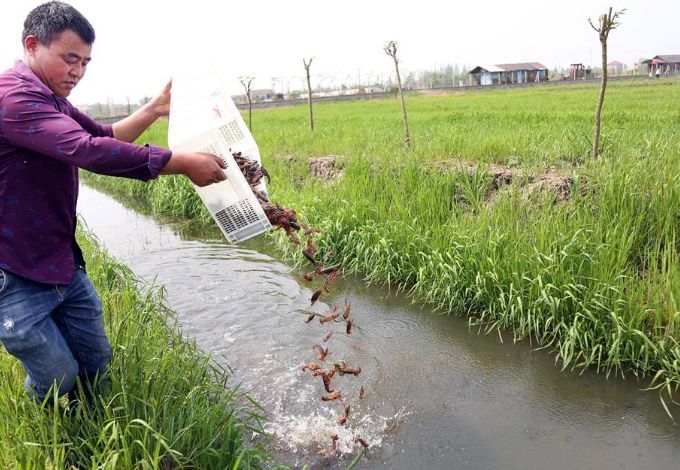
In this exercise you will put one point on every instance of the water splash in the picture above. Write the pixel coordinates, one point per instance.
(308, 431)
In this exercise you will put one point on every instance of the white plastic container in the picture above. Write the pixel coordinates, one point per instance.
(204, 118)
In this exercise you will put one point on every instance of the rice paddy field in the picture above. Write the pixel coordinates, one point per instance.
(496, 212)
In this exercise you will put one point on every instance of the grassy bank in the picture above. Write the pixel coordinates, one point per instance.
(594, 277)
(167, 405)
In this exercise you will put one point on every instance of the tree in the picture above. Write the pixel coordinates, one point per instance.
(309, 92)
(391, 50)
(246, 82)
(606, 23)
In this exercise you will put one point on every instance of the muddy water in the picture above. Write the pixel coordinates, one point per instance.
(437, 394)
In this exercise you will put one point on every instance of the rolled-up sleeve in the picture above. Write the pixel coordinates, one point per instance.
(32, 121)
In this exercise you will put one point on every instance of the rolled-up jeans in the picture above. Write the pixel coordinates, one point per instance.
(56, 331)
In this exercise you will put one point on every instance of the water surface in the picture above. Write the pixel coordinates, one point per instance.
(438, 395)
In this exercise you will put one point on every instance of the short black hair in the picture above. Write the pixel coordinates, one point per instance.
(49, 20)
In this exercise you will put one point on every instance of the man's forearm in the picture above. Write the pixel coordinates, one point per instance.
(131, 127)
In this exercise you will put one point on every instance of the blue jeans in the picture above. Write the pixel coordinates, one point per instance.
(56, 331)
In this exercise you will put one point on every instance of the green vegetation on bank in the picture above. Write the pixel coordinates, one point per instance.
(596, 278)
(167, 405)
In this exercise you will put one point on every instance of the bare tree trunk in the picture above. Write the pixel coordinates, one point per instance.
(407, 136)
(391, 50)
(600, 103)
(607, 22)
(247, 82)
(250, 112)
(309, 92)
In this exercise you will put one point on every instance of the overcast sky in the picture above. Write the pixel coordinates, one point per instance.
(140, 43)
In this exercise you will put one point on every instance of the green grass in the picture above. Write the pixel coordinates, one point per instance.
(595, 279)
(167, 406)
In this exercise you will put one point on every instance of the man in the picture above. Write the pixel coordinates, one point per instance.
(50, 314)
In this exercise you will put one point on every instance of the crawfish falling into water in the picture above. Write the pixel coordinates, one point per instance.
(343, 417)
(326, 377)
(330, 316)
(310, 366)
(333, 448)
(287, 220)
(343, 368)
(321, 352)
(334, 395)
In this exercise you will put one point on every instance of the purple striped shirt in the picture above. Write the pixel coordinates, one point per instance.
(44, 139)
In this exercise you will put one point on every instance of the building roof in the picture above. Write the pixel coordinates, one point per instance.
(667, 59)
(522, 66)
(486, 68)
(615, 62)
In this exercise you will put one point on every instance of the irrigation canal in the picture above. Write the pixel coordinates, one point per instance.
(438, 396)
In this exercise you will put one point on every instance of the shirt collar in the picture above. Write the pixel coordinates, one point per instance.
(25, 71)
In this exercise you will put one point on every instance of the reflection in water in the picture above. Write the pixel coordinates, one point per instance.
(437, 394)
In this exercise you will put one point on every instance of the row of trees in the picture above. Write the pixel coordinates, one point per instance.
(605, 24)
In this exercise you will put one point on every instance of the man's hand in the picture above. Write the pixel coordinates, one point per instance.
(131, 127)
(160, 105)
(201, 168)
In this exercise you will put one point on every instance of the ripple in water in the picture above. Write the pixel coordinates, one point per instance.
(393, 327)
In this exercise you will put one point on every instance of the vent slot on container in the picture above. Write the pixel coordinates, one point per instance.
(231, 133)
(248, 211)
(237, 216)
(212, 150)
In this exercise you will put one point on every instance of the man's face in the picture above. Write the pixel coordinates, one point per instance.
(60, 65)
